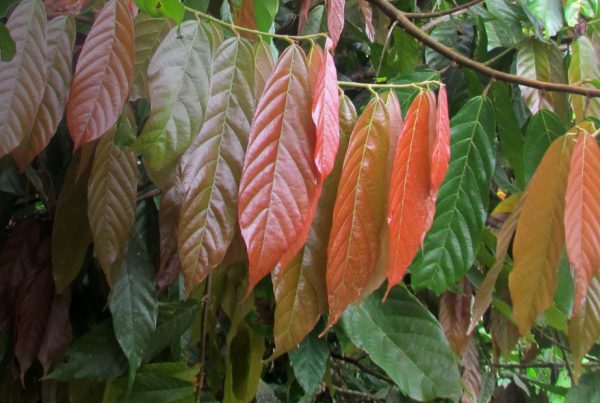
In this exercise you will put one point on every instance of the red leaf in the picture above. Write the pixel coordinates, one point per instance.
(367, 13)
(303, 15)
(263, 67)
(582, 214)
(103, 74)
(440, 148)
(454, 315)
(57, 335)
(410, 205)
(335, 20)
(359, 211)
(279, 185)
(315, 63)
(325, 114)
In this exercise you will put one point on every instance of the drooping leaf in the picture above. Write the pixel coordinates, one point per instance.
(133, 303)
(179, 87)
(588, 389)
(299, 288)
(440, 148)
(57, 335)
(23, 78)
(405, 340)
(367, 14)
(103, 74)
(303, 15)
(584, 66)
(264, 13)
(61, 38)
(211, 175)
(461, 208)
(584, 327)
(172, 9)
(7, 44)
(539, 238)
(244, 365)
(263, 67)
(550, 12)
(335, 20)
(504, 334)
(471, 373)
(359, 211)
(309, 361)
(543, 128)
(542, 61)
(168, 218)
(454, 315)
(574, 9)
(279, 188)
(149, 33)
(582, 214)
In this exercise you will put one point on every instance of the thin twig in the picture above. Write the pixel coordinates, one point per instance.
(150, 193)
(417, 85)
(357, 393)
(435, 14)
(362, 367)
(440, 20)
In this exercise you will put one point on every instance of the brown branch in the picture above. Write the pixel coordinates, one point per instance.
(451, 54)
(421, 16)
(362, 367)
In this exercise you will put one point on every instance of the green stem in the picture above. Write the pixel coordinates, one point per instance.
(417, 85)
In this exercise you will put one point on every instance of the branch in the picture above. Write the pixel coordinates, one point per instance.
(458, 58)
(362, 367)
(420, 16)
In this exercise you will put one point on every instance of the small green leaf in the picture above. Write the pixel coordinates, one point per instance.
(264, 13)
(309, 361)
(544, 127)
(163, 8)
(7, 44)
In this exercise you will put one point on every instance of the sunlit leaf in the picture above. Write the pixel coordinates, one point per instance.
(584, 66)
(335, 19)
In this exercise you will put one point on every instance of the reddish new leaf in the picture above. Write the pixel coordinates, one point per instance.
(367, 13)
(582, 214)
(168, 218)
(315, 63)
(279, 186)
(440, 148)
(263, 67)
(303, 15)
(359, 211)
(57, 335)
(471, 372)
(454, 315)
(103, 75)
(325, 113)
(410, 205)
(335, 20)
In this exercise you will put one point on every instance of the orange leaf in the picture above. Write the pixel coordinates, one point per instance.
(103, 74)
(359, 210)
(335, 19)
(440, 148)
(279, 187)
(582, 214)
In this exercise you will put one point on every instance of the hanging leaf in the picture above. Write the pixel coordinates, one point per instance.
(112, 191)
(471, 373)
(539, 238)
(582, 214)
(440, 148)
(367, 14)
(309, 362)
(211, 175)
(263, 67)
(550, 13)
(57, 335)
(543, 128)
(584, 328)
(335, 20)
(359, 211)
(583, 67)
(61, 38)
(23, 78)
(303, 15)
(7, 44)
(168, 218)
(179, 86)
(542, 61)
(574, 9)
(264, 13)
(505, 334)
(244, 365)
(299, 288)
(405, 340)
(461, 209)
(103, 74)
(454, 315)
(149, 33)
(279, 187)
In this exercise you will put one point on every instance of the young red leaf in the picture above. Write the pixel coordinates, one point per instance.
(103, 74)
(582, 214)
(335, 20)
(440, 148)
(279, 186)
(303, 15)
(315, 63)
(367, 13)
(57, 335)
(410, 205)
(263, 67)
(359, 211)
(325, 114)
(168, 218)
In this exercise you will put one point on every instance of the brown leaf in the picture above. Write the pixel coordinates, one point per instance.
(454, 317)
(471, 373)
(57, 335)
(168, 218)
(504, 334)
(263, 67)
(367, 13)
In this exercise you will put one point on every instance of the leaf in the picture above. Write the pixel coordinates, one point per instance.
(549, 12)
(264, 13)
(504, 334)
(279, 187)
(23, 78)
(178, 83)
(539, 237)
(172, 9)
(587, 390)
(325, 114)
(112, 191)
(410, 205)
(303, 15)
(103, 74)
(582, 214)
(263, 67)
(584, 66)
(149, 33)
(367, 14)
(61, 38)
(335, 20)
(133, 304)
(404, 339)
(573, 9)
(299, 288)
(440, 149)
(57, 335)
(213, 167)
(543, 128)
(244, 364)
(540, 61)
(7, 44)
(461, 208)
(359, 211)
(309, 361)
(471, 374)
(454, 315)
(584, 327)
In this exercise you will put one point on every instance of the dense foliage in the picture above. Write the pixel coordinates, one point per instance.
(299, 200)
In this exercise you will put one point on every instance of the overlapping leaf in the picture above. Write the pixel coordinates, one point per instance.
(584, 328)
(279, 187)
(367, 13)
(454, 315)
(112, 193)
(582, 214)
(61, 38)
(263, 67)
(23, 78)
(168, 218)
(539, 238)
(335, 19)
(544, 127)
(57, 335)
(179, 86)
(103, 74)
(461, 208)
(440, 148)
(211, 175)
(359, 210)
(584, 66)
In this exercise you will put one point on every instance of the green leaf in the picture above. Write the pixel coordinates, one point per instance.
(244, 364)
(407, 342)
(549, 12)
(7, 44)
(163, 8)
(133, 304)
(544, 127)
(315, 20)
(575, 8)
(584, 66)
(584, 328)
(461, 208)
(309, 361)
(264, 13)
(588, 389)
